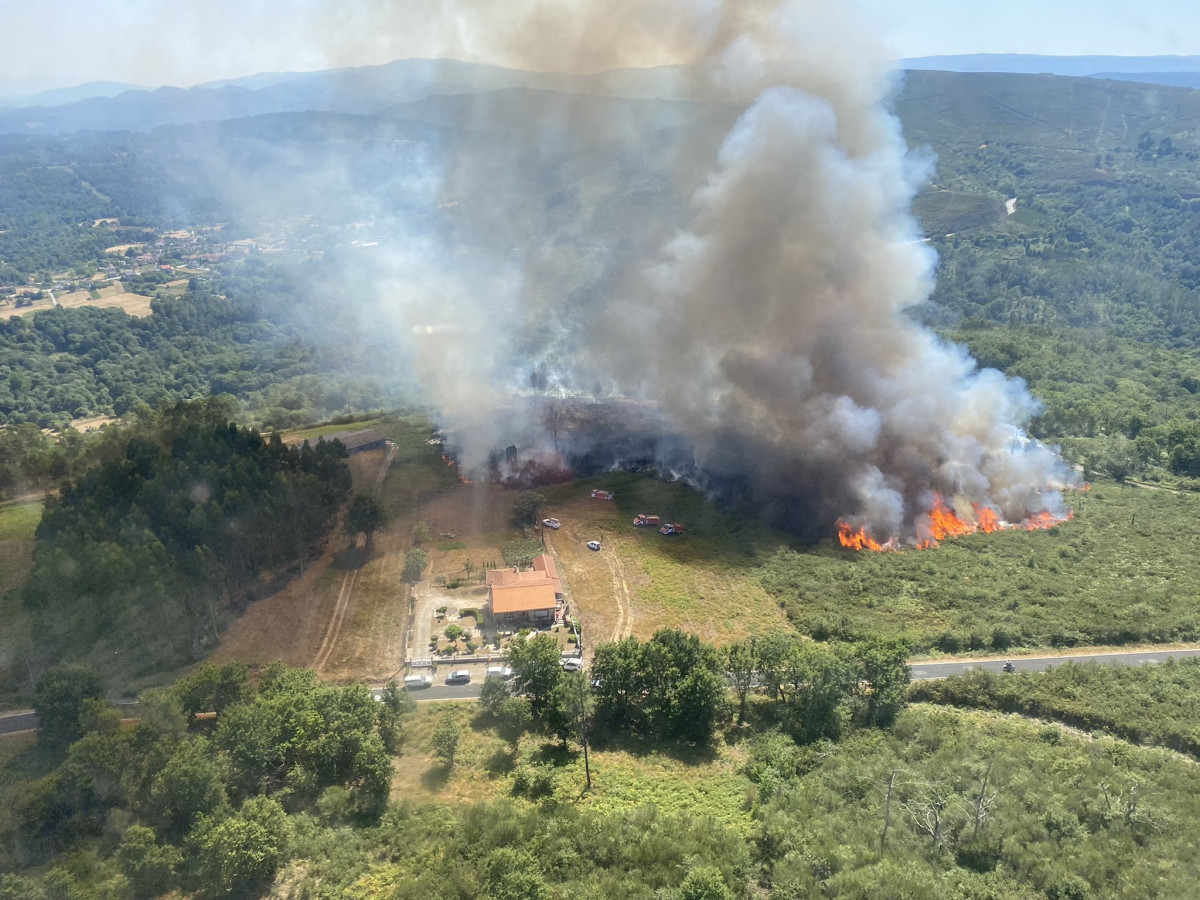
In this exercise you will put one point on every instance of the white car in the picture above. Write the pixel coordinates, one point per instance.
(416, 682)
(572, 664)
(552, 523)
(593, 545)
(502, 672)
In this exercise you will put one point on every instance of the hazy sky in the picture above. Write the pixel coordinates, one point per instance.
(47, 43)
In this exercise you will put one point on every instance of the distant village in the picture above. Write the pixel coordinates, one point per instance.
(149, 264)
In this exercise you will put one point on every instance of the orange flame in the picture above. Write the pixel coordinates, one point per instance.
(945, 523)
(987, 519)
(856, 538)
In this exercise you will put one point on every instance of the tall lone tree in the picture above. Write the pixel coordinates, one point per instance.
(367, 515)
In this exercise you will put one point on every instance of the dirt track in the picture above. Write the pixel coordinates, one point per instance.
(344, 616)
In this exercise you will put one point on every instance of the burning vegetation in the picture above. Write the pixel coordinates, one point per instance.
(943, 522)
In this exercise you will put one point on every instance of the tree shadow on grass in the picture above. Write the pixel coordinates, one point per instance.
(636, 745)
(500, 763)
(552, 753)
(436, 778)
(350, 559)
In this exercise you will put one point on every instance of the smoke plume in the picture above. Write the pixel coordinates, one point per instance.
(766, 317)
(721, 249)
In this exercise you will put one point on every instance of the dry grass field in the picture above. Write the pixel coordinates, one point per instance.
(113, 296)
(347, 615)
(703, 581)
(344, 616)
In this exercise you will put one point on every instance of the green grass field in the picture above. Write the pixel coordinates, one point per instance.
(1146, 705)
(19, 519)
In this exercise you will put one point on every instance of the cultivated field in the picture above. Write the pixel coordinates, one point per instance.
(113, 296)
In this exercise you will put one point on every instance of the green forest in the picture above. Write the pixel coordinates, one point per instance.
(250, 336)
(225, 786)
(148, 551)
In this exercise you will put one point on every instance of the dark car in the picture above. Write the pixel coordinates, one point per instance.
(459, 676)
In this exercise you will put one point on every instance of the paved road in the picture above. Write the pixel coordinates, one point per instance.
(12, 723)
(927, 671)
(16, 722)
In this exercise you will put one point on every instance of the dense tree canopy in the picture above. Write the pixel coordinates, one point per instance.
(145, 552)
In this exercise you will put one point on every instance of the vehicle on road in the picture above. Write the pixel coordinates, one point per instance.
(459, 676)
(416, 682)
(593, 545)
(502, 672)
(572, 664)
(552, 523)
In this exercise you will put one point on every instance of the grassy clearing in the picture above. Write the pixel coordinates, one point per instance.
(705, 580)
(19, 520)
(1122, 571)
(311, 434)
(694, 783)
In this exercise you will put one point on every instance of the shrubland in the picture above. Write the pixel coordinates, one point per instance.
(282, 789)
(1153, 704)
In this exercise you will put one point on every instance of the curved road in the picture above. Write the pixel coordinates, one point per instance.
(25, 720)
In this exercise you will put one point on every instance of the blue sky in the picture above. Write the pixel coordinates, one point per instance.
(46, 43)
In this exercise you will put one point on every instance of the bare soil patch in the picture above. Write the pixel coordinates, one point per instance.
(298, 625)
(92, 423)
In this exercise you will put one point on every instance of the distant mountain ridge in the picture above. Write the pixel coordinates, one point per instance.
(1035, 64)
(1173, 71)
(366, 90)
(65, 95)
(381, 89)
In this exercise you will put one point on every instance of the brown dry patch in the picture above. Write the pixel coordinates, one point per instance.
(370, 642)
(112, 297)
(92, 423)
(288, 625)
(297, 624)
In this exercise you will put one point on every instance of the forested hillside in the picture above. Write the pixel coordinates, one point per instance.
(257, 340)
(143, 556)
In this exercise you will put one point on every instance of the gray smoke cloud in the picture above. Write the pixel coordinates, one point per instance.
(704, 267)
(765, 318)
